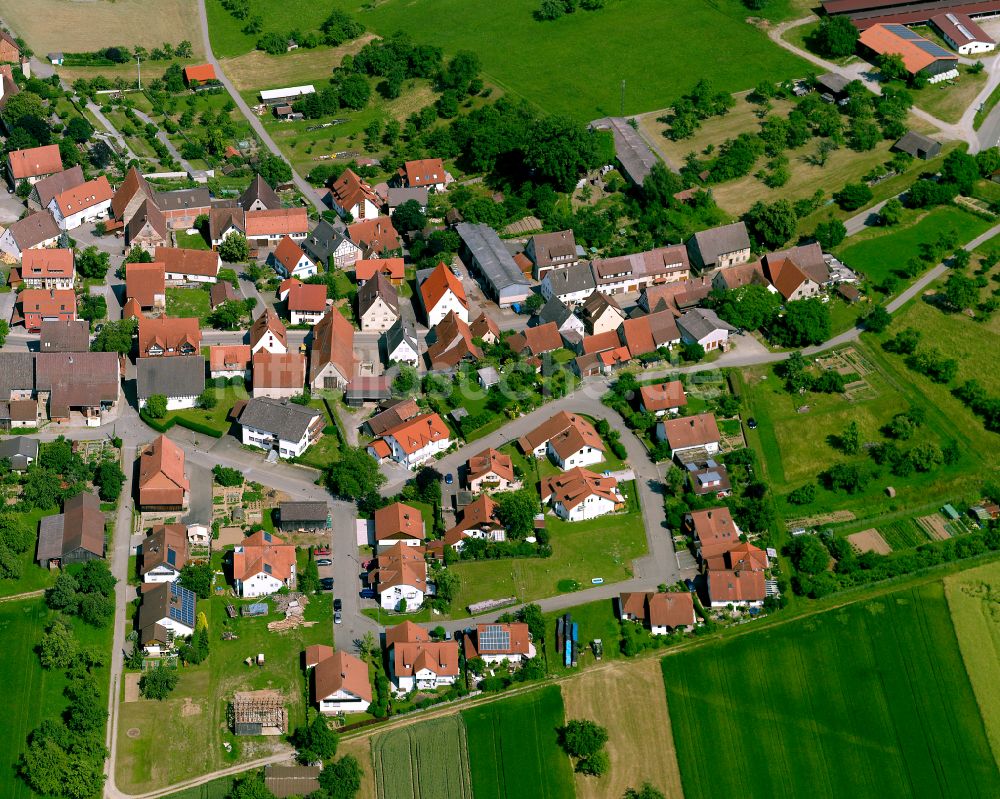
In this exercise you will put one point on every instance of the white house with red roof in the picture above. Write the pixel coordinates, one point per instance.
(306, 303)
(417, 662)
(567, 438)
(81, 204)
(33, 164)
(442, 293)
(412, 442)
(426, 173)
(46, 269)
(350, 195)
(499, 642)
(290, 260)
(580, 494)
(262, 565)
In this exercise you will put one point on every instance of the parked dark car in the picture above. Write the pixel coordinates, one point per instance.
(449, 478)
(338, 605)
(752, 423)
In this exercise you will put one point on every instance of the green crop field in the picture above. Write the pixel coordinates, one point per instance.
(903, 534)
(868, 700)
(513, 748)
(586, 55)
(36, 694)
(429, 760)
(878, 252)
(973, 596)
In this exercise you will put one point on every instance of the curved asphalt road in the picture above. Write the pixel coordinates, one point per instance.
(307, 191)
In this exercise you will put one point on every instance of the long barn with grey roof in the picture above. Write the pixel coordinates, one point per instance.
(484, 253)
(635, 157)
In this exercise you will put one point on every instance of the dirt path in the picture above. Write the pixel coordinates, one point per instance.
(630, 700)
(27, 595)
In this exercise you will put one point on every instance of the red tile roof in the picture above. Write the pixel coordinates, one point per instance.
(785, 275)
(229, 357)
(288, 254)
(350, 190)
(691, 431)
(307, 297)
(276, 221)
(341, 672)
(883, 39)
(46, 263)
(268, 321)
(575, 485)
(161, 474)
(177, 260)
(35, 161)
(416, 433)
(662, 396)
(491, 461)
(438, 282)
(647, 333)
(424, 172)
(47, 302)
(736, 586)
(366, 268)
(374, 235)
(333, 342)
(537, 340)
(714, 529)
(169, 333)
(258, 552)
(398, 521)
(601, 342)
(279, 369)
(84, 196)
(199, 72)
(144, 281)
(566, 432)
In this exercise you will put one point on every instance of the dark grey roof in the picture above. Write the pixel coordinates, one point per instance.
(833, 82)
(259, 189)
(174, 376)
(400, 331)
(17, 371)
(554, 310)
(718, 241)
(375, 288)
(50, 537)
(165, 601)
(396, 197)
(19, 449)
(701, 322)
(34, 229)
(304, 511)
(184, 198)
(287, 420)
(495, 262)
(633, 153)
(49, 187)
(571, 280)
(324, 240)
(60, 336)
(916, 143)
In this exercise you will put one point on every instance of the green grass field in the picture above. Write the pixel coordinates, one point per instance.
(869, 700)
(190, 241)
(216, 789)
(513, 748)
(972, 597)
(603, 547)
(197, 707)
(878, 252)
(37, 693)
(429, 760)
(794, 447)
(587, 54)
(215, 418)
(188, 303)
(33, 577)
(595, 620)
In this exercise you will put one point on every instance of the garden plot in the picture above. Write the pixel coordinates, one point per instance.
(429, 760)
(869, 541)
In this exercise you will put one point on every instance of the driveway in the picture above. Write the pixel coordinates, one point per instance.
(11, 207)
(200, 508)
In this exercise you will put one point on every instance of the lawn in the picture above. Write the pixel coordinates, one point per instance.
(880, 252)
(216, 789)
(429, 760)
(193, 741)
(628, 700)
(39, 693)
(972, 599)
(948, 100)
(190, 241)
(189, 303)
(513, 748)
(596, 620)
(33, 577)
(869, 700)
(795, 447)
(604, 547)
(215, 418)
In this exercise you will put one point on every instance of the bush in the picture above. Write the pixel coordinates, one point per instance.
(225, 476)
(158, 683)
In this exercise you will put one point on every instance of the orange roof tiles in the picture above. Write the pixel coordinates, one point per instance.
(537, 340)
(341, 672)
(177, 260)
(424, 172)
(84, 196)
(333, 342)
(144, 281)
(491, 461)
(279, 369)
(401, 565)
(276, 221)
(565, 432)
(715, 530)
(365, 269)
(416, 433)
(350, 190)
(169, 335)
(35, 162)
(439, 282)
(46, 263)
(374, 235)
(268, 321)
(258, 552)
(883, 39)
(662, 396)
(161, 474)
(574, 486)
(399, 520)
(307, 297)
(229, 357)
(691, 431)
(288, 253)
(199, 73)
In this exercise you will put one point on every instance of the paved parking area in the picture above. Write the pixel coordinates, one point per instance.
(11, 207)
(200, 508)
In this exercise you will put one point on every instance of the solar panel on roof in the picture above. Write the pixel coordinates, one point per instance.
(267, 537)
(171, 557)
(494, 638)
(267, 568)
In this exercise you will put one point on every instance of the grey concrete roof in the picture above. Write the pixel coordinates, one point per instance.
(285, 419)
(554, 310)
(60, 336)
(494, 260)
(718, 241)
(303, 511)
(633, 153)
(174, 376)
(18, 446)
(701, 322)
(401, 330)
(571, 280)
(17, 371)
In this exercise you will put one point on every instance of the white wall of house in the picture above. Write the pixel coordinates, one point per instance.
(592, 507)
(569, 298)
(183, 277)
(303, 268)
(175, 403)
(406, 541)
(418, 457)
(47, 282)
(740, 604)
(585, 456)
(230, 373)
(661, 412)
(493, 482)
(271, 343)
(404, 353)
(179, 630)
(262, 439)
(490, 659)
(10, 246)
(342, 702)
(97, 211)
(161, 574)
(449, 302)
(306, 317)
(329, 372)
(276, 393)
(390, 598)
(259, 584)
(378, 318)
